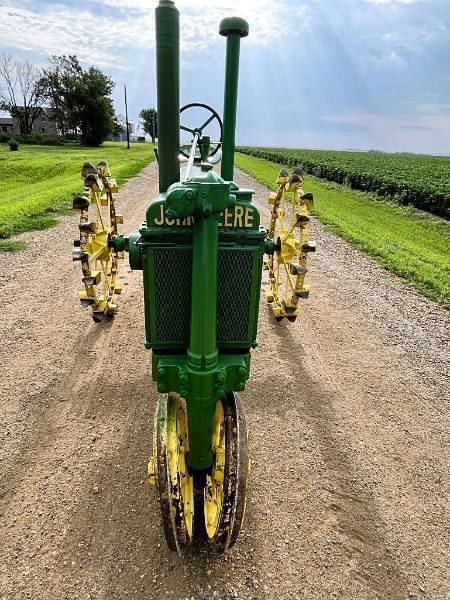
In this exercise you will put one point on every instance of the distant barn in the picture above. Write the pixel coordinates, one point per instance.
(44, 123)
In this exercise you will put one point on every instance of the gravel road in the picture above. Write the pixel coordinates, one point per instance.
(348, 412)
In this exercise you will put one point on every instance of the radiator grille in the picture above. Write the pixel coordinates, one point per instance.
(173, 276)
(234, 287)
(172, 289)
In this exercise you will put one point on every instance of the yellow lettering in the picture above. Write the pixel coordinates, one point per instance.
(237, 218)
(238, 214)
(160, 221)
(163, 220)
(248, 217)
(228, 216)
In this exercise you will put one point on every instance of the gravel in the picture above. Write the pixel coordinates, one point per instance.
(348, 416)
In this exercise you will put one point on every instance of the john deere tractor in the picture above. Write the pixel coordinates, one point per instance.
(202, 252)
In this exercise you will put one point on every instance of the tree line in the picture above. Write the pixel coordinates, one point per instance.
(80, 98)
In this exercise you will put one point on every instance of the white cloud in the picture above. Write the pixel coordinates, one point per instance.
(97, 41)
(198, 5)
(201, 18)
(414, 39)
(107, 40)
(431, 121)
(431, 107)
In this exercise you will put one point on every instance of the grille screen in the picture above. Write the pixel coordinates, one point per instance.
(173, 276)
(234, 287)
(172, 288)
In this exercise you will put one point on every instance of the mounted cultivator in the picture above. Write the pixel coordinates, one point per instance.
(201, 250)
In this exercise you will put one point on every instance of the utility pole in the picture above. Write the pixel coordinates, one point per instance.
(126, 117)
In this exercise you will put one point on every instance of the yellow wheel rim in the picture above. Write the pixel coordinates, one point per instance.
(214, 492)
(181, 482)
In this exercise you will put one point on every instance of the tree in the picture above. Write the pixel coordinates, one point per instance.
(149, 118)
(55, 82)
(22, 93)
(89, 102)
(82, 98)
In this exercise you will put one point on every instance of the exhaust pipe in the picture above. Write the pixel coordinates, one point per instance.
(168, 92)
(233, 28)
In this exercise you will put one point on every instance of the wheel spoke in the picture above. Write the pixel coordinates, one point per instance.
(206, 123)
(290, 233)
(187, 129)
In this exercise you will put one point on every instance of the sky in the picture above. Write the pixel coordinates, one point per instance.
(344, 74)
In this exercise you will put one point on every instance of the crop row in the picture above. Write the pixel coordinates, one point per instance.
(415, 180)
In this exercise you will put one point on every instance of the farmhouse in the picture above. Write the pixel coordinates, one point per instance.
(6, 125)
(45, 123)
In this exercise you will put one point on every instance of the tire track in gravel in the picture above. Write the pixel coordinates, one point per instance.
(348, 434)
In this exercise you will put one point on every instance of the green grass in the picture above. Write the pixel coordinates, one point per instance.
(11, 246)
(38, 182)
(408, 242)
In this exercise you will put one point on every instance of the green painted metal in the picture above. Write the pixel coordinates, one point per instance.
(202, 352)
(190, 231)
(134, 251)
(203, 198)
(200, 389)
(168, 91)
(233, 29)
(201, 251)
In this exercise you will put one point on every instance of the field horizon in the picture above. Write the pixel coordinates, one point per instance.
(359, 150)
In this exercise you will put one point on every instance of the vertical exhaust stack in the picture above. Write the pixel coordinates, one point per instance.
(233, 28)
(168, 90)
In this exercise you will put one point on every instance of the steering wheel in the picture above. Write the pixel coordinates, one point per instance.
(200, 130)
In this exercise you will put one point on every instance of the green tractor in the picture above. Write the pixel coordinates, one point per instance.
(201, 249)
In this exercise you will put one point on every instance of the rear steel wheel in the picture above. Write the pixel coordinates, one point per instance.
(169, 469)
(226, 486)
(94, 249)
(289, 230)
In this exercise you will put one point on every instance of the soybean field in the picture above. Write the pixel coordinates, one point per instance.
(421, 181)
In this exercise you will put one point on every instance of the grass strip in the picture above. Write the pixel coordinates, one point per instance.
(38, 182)
(408, 242)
